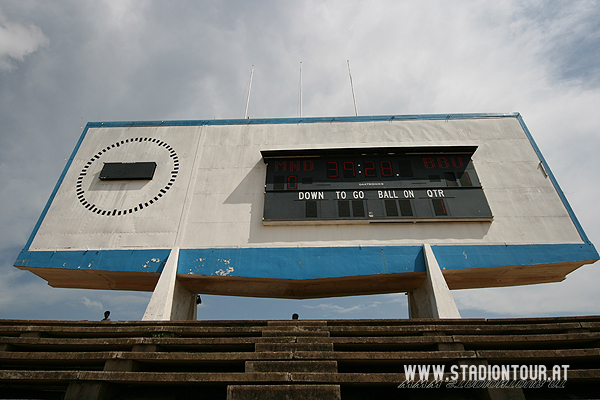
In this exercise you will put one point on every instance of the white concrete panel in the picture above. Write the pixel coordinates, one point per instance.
(518, 174)
(227, 180)
(152, 225)
(523, 202)
(221, 180)
(217, 234)
(505, 161)
(506, 150)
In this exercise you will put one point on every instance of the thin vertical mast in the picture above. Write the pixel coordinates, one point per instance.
(300, 89)
(249, 88)
(352, 86)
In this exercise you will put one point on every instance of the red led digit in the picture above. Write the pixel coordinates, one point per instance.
(429, 162)
(443, 162)
(370, 169)
(386, 168)
(292, 182)
(439, 207)
(280, 166)
(332, 169)
(349, 171)
(465, 179)
(468, 179)
(307, 166)
(457, 162)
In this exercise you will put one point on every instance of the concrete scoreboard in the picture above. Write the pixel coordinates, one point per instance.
(303, 208)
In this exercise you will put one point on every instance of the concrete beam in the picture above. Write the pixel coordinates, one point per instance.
(171, 301)
(432, 299)
(290, 392)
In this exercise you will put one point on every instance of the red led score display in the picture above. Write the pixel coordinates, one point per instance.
(289, 174)
(386, 169)
(410, 184)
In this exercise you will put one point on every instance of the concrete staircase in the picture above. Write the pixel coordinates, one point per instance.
(296, 359)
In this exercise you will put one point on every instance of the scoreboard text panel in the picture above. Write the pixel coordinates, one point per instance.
(371, 184)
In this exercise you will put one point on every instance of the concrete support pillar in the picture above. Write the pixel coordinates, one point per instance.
(433, 298)
(82, 390)
(171, 301)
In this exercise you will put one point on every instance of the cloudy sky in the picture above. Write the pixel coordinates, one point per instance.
(66, 62)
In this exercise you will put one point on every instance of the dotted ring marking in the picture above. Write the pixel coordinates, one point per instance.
(116, 212)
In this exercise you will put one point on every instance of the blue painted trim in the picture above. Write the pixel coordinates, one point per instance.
(275, 121)
(481, 256)
(559, 191)
(152, 260)
(302, 263)
(296, 263)
(56, 187)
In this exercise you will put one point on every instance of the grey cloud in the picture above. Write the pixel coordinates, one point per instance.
(17, 41)
(571, 38)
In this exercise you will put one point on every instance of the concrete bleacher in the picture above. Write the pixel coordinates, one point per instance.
(295, 359)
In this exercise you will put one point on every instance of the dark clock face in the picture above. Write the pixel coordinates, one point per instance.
(127, 176)
(409, 184)
(120, 171)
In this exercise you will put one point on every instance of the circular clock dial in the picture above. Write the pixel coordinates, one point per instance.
(123, 197)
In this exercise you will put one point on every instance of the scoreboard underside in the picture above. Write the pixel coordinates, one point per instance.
(301, 273)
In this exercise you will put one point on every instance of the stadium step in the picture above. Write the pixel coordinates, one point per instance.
(325, 359)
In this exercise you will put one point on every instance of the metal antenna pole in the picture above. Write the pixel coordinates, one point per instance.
(300, 89)
(352, 86)
(249, 88)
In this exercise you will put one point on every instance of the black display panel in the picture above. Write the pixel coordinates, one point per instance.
(373, 184)
(128, 171)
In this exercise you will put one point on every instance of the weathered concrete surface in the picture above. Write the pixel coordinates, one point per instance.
(284, 392)
(291, 366)
(171, 301)
(84, 360)
(81, 390)
(295, 332)
(432, 299)
(294, 347)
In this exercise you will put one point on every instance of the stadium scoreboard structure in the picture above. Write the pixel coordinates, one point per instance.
(307, 208)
